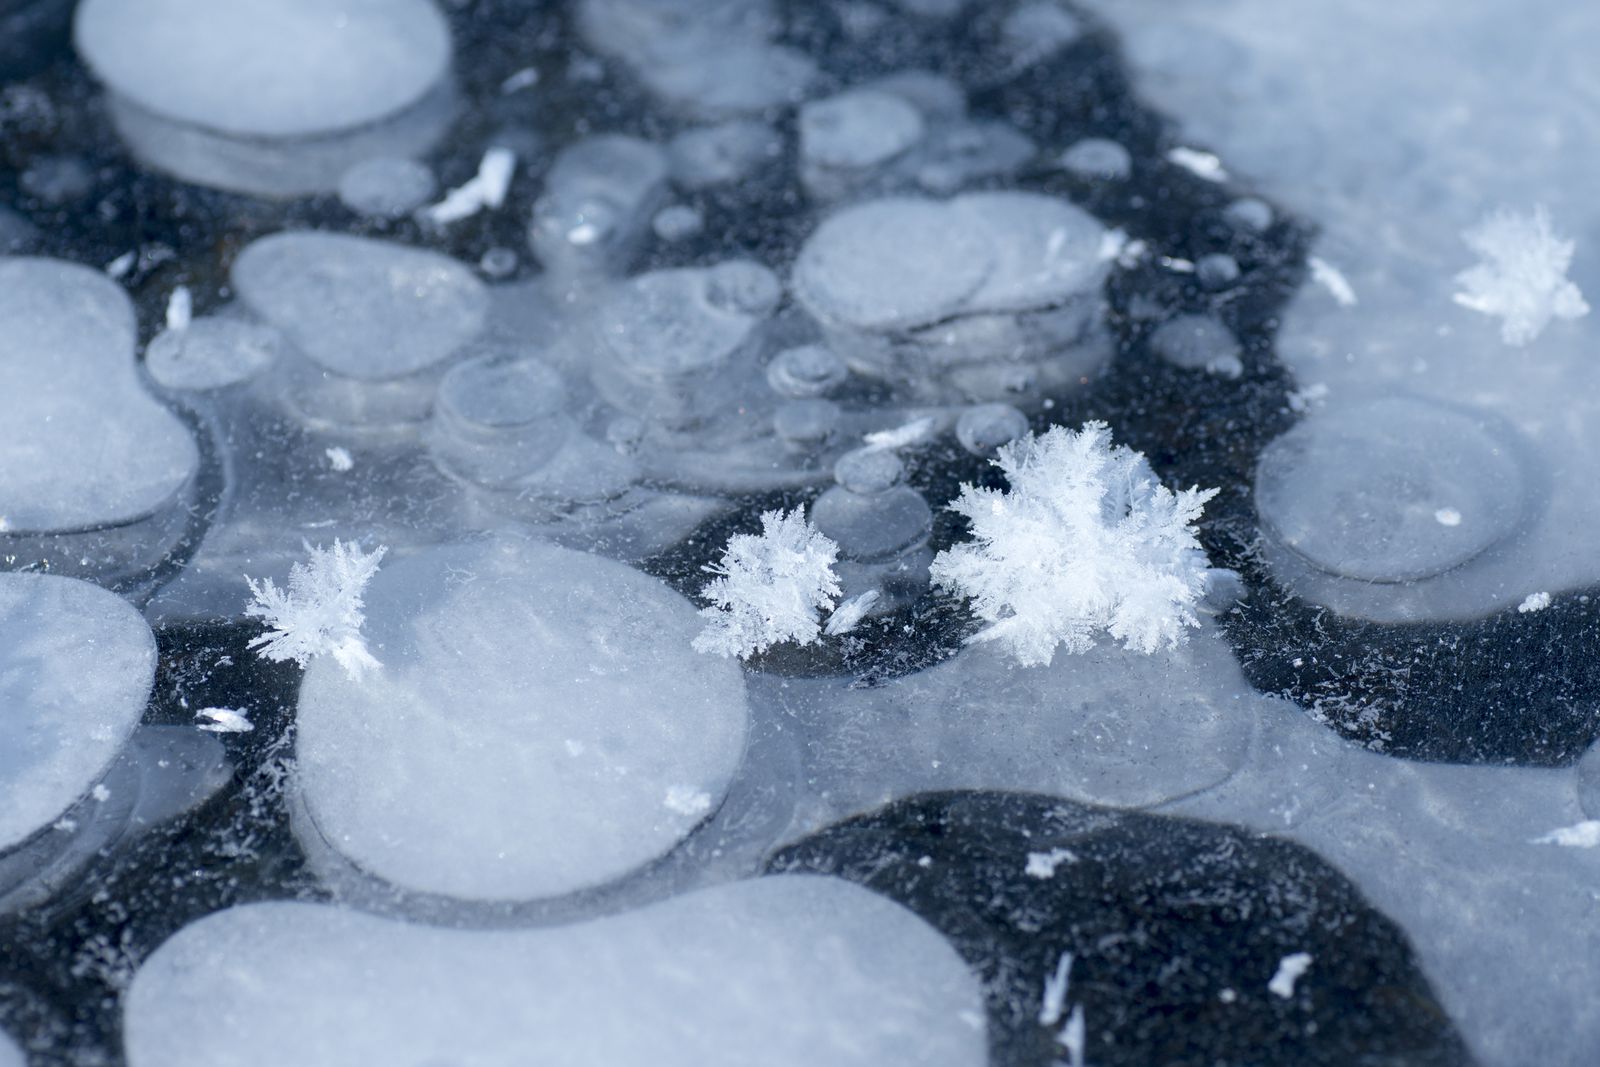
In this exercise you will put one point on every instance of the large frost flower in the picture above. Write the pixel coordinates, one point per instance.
(1086, 540)
(1522, 278)
(321, 611)
(769, 588)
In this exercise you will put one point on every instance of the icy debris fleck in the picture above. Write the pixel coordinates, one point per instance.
(1085, 540)
(1053, 1005)
(339, 458)
(1073, 1037)
(1534, 602)
(914, 432)
(770, 588)
(687, 800)
(847, 616)
(1300, 400)
(1332, 279)
(180, 309)
(526, 78)
(119, 267)
(1290, 968)
(1447, 517)
(1585, 834)
(1200, 164)
(321, 611)
(485, 189)
(1522, 278)
(1042, 865)
(100, 793)
(223, 721)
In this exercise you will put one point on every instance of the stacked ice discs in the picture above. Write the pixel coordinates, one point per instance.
(272, 97)
(986, 296)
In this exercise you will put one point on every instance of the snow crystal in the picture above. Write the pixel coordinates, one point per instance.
(849, 614)
(770, 588)
(223, 721)
(320, 613)
(1290, 969)
(1522, 278)
(1585, 834)
(1042, 865)
(1534, 602)
(1085, 540)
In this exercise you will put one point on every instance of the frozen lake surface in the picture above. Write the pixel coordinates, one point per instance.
(1044, 532)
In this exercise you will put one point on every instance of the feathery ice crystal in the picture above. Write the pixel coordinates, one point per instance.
(1523, 276)
(321, 611)
(1085, 540)
(769, 588)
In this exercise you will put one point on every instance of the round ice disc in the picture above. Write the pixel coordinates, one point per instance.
(540, 724)
(211, 353)
(663, 324)
(362, 308)
(83, 445)
(893, 264)
(266, 68)
(1390, 490)
(860, 128)
(1046, 250)
(76, 665)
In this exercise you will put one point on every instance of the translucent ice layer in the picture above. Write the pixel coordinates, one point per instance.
(788, 971)
(539, 725)
(76, 665)
(201, 88)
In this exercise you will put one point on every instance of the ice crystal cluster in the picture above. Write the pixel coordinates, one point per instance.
(320, 613)
(1085, 541)
(1522, 279)
(769, 588)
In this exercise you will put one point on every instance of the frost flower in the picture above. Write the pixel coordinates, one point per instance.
(1523, 276)
(321, 611)
(769, 588)
(1086, 540)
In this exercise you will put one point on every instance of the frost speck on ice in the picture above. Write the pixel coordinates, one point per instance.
(1585, 834)
(1522, 278)
(1534, 602)
(1042, 865)
(770, 588)
(321, 611)
(1085, 540)
(223, 721)
(1290, 970)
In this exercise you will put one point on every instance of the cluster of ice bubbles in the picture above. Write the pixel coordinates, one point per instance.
(542, 749)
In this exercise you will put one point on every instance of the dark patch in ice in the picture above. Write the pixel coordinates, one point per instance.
(1175, 928)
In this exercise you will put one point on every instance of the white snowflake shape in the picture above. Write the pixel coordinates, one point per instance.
(1523, 276)
(770, 588)
(1086, 540)
(321, 611)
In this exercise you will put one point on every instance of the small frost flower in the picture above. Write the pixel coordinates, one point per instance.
(321, 611)
(769, 588)
(1522, 278)
(1085, 540)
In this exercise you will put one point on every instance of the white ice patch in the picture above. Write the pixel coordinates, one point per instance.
(1054, 1001)
(847, 616)
(1043, 865)
(1333, 280)
(180, 309)
(484, 190)
(687, 800)
(223, 721)
(1201, 164)
(339, 458)
(1585, 834)
(1290, 970)
(1534, 602)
